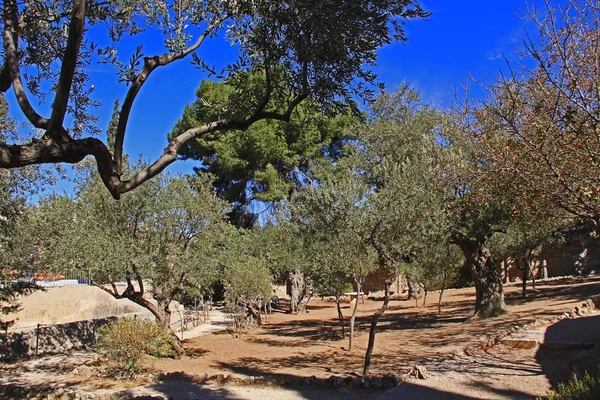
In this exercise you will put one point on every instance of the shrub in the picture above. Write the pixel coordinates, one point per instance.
(587, 388)
(125, 343)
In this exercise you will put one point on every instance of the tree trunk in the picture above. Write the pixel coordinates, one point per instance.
(526, 273)
(297, 282)
(340, 316)
(424, 296)
(505, 267)
(489, 293)
(161, 313)
(415, 289)
(372, 330)
(358, 288)
(544, 270)
(444, 275)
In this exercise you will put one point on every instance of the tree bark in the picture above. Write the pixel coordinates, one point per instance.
(351, 339)
(415, 289)
(505, 268)
(373, 329)
(489, 293)
(297, 281)
(340, 316)
(544, 270)
(442, 290)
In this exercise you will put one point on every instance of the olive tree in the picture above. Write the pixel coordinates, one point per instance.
(538, 126)
(159, 240)
(301, 50)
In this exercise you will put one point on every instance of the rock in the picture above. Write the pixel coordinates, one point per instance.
(85, 371)
(420, 372)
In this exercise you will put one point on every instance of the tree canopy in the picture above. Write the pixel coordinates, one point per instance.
(301, 50)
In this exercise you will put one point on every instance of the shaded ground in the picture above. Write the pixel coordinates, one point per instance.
(309, 345)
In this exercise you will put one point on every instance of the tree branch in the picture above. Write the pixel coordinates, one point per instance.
(67, 70)
(12, 63)
(150, 64)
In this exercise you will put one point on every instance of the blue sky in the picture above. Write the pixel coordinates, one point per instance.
(460, 38)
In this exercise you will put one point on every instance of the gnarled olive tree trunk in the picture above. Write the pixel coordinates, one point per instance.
(489, 293)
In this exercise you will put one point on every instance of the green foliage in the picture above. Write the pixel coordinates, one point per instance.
(587, 388)
(168, 234)
(287, 53)
(125, 342)
(268, 160)
(247, 279)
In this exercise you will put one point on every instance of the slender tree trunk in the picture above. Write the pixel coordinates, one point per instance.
(358, 288)
(444, 275)
(526, 270)
(505, 267)
(544, 270)
(373, 329)
(340, 316)
(424, 296)
(489, 293)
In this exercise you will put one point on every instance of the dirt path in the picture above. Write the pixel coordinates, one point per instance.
(509, 373)
(308, 345)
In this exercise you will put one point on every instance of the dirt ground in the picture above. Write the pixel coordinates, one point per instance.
(309, 345)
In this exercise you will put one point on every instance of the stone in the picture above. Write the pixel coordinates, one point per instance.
(85, 371)
(420, 372)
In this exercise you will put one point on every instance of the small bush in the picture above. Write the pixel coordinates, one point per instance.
(126, 342)
(587, 388)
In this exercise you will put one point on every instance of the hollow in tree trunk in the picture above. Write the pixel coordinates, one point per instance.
(489, 293)
(373, 329)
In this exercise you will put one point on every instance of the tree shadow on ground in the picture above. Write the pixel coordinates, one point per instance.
(187, 389)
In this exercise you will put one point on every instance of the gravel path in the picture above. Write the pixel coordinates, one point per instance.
(507, 372)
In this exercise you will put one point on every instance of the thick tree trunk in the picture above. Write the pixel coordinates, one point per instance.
(358, 288)
(489, 293)
(373, 328)
(297, 282)
(340, 316)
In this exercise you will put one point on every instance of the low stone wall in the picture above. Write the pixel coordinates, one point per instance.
(53, 339)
